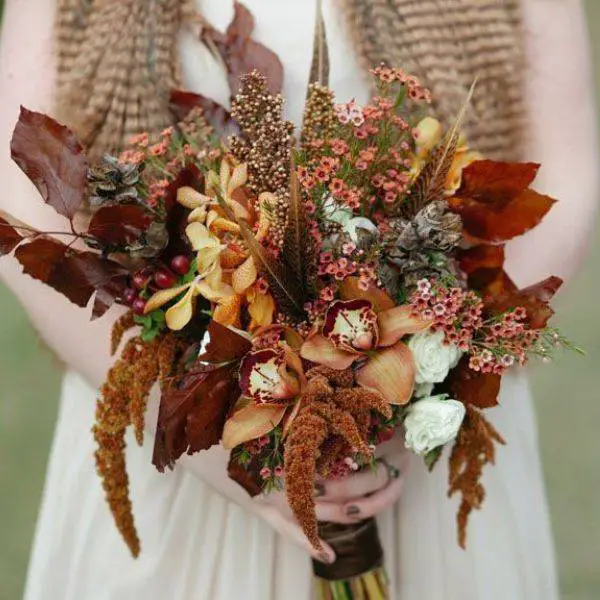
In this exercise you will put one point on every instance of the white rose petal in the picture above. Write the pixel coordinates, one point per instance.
(432, 422)
(433, 358)
(423, 389)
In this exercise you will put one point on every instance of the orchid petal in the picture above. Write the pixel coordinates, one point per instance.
(429, 133)
(390, 372)
(261, 308)
(224, 176)
(221, 224)
(180, 314)
(350, 290)
(244, 276)
(162, 297)
(239, 211)
(198, 214)
(250, 423)
(190, 198)
(228, 310)
(238, 178)
(397, 322)
(199, 235)
(231, 258)
(320, 350)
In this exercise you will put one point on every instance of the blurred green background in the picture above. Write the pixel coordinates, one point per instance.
(30, 381)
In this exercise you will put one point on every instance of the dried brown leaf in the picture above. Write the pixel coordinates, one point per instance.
(52, 158)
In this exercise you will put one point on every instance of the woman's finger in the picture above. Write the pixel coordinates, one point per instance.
(355, 485)
(369, 506)
(291, 531)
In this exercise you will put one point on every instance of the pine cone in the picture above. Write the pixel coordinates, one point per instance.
(112, 181)
(419, 249)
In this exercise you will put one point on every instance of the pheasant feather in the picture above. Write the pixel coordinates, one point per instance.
(430, 183)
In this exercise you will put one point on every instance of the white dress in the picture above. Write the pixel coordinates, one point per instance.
(198, 545)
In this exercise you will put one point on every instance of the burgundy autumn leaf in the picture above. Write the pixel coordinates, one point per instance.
(192, 414)
(496, 183)
(241, 54)
(182, 102)
(495, 225)
(534, 299)
(107, 294)
(190, 176)
(495, 203)
(52, 158)
(248, 478)
(224, 345)
(119, 225)
(481, 257)
(177, 215)
(473, 387)
(10, 238)
(76, 275)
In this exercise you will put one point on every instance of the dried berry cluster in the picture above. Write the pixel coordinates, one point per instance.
(265, 146)
(319, 119)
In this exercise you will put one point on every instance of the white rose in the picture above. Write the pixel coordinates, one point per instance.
(433, 358)
(432, 422)
(422, 389)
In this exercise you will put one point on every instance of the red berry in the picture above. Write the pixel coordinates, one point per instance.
(180, 264)
(164, 279)
(385, 434)
(139, 304)
(129, 295)
(140, 279)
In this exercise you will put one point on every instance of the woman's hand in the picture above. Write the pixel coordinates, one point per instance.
(349, 500)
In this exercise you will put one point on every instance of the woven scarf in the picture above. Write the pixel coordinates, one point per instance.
(118, 59)
(448, 44)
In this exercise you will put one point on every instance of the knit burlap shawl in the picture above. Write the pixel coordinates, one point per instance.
(118, 59)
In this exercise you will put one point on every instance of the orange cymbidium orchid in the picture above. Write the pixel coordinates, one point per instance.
(353, 332)
(271, 381)
(226, 273)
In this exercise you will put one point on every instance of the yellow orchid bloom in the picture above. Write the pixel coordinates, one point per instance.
(261, 308)
(429, 134)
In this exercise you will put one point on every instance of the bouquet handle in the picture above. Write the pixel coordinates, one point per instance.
(358, 572)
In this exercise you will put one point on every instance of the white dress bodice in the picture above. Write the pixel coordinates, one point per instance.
(285, 27)
(196, 545)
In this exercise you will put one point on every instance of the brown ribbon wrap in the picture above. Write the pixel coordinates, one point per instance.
(357, 548)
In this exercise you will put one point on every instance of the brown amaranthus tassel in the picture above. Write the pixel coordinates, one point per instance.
(121, 326)
(129, 381)
(333, 419)
(473, 450)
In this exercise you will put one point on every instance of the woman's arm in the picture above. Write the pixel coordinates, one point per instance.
(562, 137)
(26, 78)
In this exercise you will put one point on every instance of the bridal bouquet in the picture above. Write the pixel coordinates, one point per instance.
(298, 298)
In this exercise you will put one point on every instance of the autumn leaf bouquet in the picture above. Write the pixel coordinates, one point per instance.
(298, 297)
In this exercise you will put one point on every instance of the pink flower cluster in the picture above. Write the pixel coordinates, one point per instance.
(494, 345)
(455, 312)
(349, 113)
(504, 342)
(414, 88)
(267, 472)
(339, 268)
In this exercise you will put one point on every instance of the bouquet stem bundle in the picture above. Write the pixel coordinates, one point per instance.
(358, 572)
